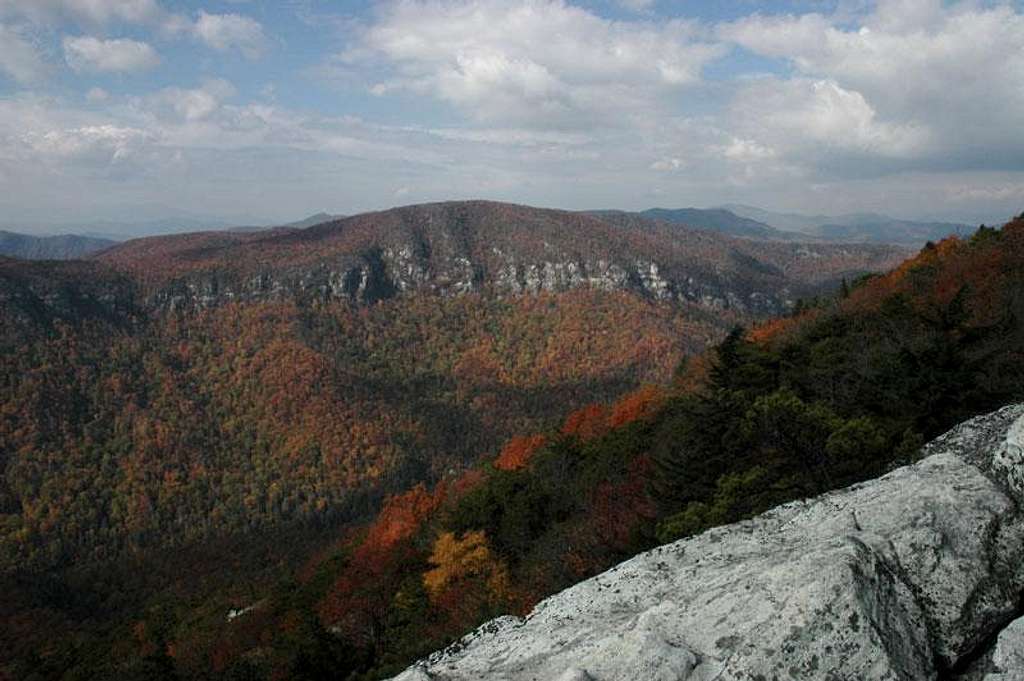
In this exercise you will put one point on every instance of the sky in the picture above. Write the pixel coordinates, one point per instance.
(254, 110)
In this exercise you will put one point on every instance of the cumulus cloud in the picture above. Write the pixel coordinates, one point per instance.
(224, 32)
(194, 104)
(935, 84)
(89, 54)
(746, 150)
(19, 58)
(808, 116)
(895, 105)
(540, 62)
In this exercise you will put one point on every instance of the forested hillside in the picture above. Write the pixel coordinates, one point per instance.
(197, 423)
(185, 387)
(840, 391)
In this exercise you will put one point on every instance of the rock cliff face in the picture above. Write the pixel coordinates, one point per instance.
(481, 247)
(383, 273)
(916, 575)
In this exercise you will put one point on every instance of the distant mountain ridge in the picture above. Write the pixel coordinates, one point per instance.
(312, 220)
(853, 227)
(480, 246)
(61, 247)
(718, 220)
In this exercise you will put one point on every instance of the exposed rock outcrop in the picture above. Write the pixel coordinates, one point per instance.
(481, 247)
(383, 273)
(910, 576)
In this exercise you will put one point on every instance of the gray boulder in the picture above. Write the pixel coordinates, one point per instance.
(909, 576)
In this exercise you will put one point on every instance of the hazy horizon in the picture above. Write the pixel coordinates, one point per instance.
(255, 111)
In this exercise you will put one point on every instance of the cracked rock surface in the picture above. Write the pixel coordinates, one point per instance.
(905, 577)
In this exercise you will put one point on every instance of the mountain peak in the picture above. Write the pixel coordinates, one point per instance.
(458, 247)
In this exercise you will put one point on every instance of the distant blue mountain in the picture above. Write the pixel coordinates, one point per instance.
(718, 220)
(853, 227)
(63, 247)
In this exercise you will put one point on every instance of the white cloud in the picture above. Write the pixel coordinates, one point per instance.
(19, 58)
(811, 117)
(531, 62)
(89, 54)
(191, 104)
(746, 151)
(933, 83)
(96, 143)
(99, 12)
(224, 32)
(221, 32)
(668, 164)
(907, 16)
(900, 107)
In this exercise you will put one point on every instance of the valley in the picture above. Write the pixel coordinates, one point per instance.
(199, 417)
(511, 340)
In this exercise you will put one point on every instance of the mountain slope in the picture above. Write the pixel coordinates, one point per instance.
(64, 247)
(305, 402)
(903, 577)
(198, 463)
(453, 248)
(835, 395)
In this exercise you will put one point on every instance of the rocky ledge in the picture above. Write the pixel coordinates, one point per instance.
(915, 575)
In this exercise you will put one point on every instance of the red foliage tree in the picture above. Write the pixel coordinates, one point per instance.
(518, 451)
(638, 405)
(587, 423)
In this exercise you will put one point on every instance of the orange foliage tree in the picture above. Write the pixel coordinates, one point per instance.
(639, 405)
(518, 451)
(587, 423)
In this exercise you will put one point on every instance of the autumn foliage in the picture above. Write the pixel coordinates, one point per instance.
(587, 423)
(466, 577)
(641, 404)
(205, 457)
(517, 452)
(401, 517)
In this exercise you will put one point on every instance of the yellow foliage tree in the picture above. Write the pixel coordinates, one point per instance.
(464, 565)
